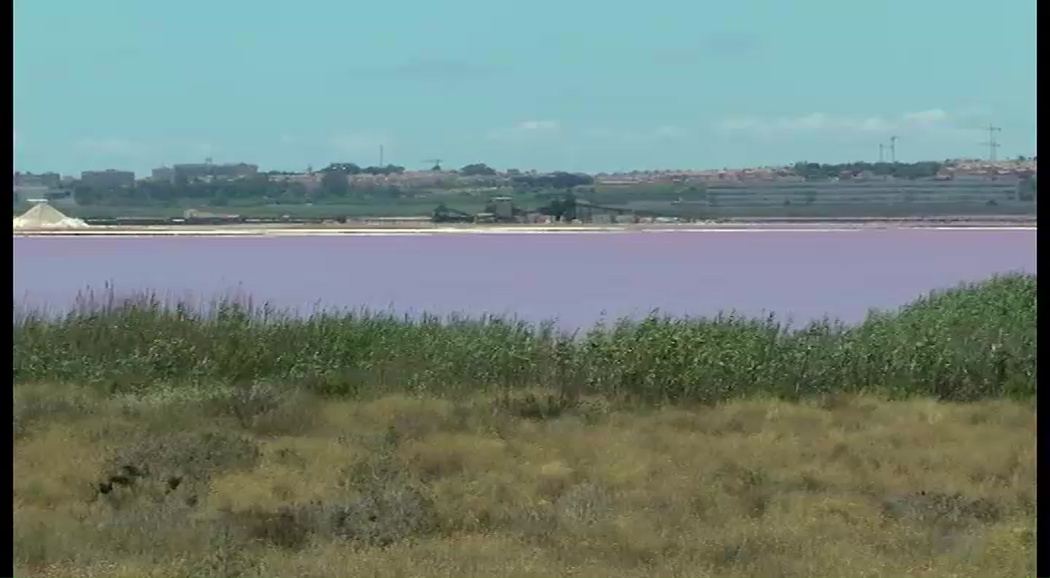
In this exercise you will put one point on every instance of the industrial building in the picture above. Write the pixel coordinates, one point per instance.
(46, 186)
(47, 180)
(108, 179)
(163, 174)
(201, 171)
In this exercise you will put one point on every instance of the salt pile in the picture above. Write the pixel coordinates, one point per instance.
(44, 216)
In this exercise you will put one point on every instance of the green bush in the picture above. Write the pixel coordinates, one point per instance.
(975, 341)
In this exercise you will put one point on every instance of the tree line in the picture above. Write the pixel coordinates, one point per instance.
(819, 171)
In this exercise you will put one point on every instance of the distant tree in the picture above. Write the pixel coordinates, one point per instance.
(821, 172)
(387, 170)
(882, 169)
(335, 183)
(160, 191)
(292, 193)
(1026, 189)
(920, 170)
(345, 168)
(257, 186)
(477, 170)
(558, 180)
(85, 195)
(562, 180)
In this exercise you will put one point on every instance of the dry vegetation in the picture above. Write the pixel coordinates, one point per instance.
(264, 482)
(154, 440)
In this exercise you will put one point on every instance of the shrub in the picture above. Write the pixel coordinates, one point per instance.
(974, 341)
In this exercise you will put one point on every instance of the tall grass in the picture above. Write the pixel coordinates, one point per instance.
(975, 341)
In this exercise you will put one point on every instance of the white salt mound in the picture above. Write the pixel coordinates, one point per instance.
(44, 216)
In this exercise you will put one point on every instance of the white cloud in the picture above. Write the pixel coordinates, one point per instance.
(533, 125)
(359, 143)
(430, 69)
(205, 149)
(671, 132)
(740, 123)
(926, 116)
(827, 123)
(526, 129)
(638, 136)
(113, 146)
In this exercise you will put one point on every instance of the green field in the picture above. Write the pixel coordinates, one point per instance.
(159, 439)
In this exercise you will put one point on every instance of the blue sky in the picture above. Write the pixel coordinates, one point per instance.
(569, 85)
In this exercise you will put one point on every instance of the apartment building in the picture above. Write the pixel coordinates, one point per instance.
(108, 179)
(48, 180)
(205, 171)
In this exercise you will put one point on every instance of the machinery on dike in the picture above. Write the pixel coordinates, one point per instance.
(564, 208)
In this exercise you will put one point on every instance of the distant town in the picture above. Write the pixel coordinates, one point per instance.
(347, 177)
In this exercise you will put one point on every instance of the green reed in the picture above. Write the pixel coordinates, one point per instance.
(971, 342)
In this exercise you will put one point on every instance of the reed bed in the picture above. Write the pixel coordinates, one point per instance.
(971, 342)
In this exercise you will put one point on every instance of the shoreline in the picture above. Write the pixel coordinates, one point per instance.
(392, 229)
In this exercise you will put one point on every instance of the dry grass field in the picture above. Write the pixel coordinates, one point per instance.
(262, 481)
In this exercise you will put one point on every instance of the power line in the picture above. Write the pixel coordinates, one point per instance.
(893, 149)
(992, 144)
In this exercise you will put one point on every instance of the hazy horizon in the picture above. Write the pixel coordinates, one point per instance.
(503, 170)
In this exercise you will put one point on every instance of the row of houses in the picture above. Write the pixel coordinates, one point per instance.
(953, 168)
(50, 183)
(58, 189)
(114, 178)
(410, 179)
(678, 176)
(204, 171)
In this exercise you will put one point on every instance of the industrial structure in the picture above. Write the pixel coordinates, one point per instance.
(562, 208)
(992, 143)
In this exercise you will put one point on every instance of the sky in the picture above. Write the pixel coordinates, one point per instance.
(576, 85)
